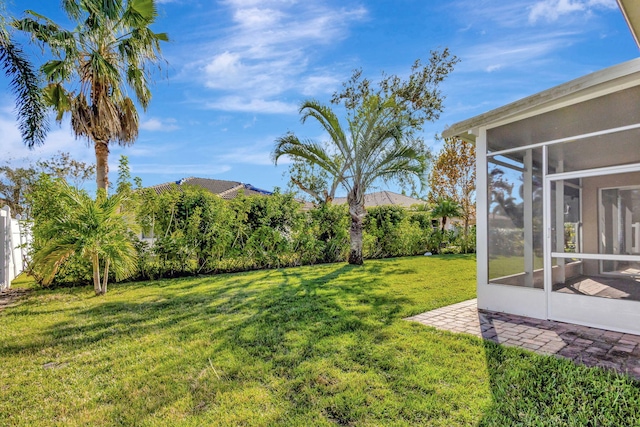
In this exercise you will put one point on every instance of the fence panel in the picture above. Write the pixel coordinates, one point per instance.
(14, 241)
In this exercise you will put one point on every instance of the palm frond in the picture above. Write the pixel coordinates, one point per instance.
(25, 85)
(308, 150)
(329, 121)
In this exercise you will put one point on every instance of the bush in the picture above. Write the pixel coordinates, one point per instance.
(196, 232)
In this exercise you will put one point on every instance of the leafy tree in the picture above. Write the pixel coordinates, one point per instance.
(379, 142)
(307, 179)
(14, 184)
(108, 54)
(446, 208)
(92, 229)
(453, 176)
(63, 166)
(25, 85)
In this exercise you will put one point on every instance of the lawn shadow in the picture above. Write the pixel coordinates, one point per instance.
(279, 322)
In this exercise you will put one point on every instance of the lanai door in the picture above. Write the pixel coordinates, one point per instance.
(592, 219)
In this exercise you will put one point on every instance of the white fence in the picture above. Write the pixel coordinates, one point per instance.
(15, 238)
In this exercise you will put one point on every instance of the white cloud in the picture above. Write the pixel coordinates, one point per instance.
(249, 105)
(269, 50)
(514, 52)
(59, 138)
(324, 83)
(159, 125)
(257, 153)
(552, 10)
(248, 156)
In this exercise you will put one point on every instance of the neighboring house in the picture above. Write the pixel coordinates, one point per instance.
(565, 244)
(389, 198)
(384, 198)
(225, 189)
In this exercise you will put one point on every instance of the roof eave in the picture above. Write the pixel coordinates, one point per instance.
(631, 11)
(590, 86)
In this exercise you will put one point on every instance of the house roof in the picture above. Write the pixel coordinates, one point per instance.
(383, 198)
(225, 189)
(631, 11)
(591, 86)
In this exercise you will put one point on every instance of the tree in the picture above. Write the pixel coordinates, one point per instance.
(446, 208)
(110, 52)
(14, 184)
(453, 176)
(311, 180)
(25, 85)
(379, 142)
(93, 229)
(375, 148)
(63, 166)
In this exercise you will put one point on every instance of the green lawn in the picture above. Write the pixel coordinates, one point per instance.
(320, 345)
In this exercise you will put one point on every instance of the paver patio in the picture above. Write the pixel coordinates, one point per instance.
(582, 344)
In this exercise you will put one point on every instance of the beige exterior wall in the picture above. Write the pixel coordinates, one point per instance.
(590, 209)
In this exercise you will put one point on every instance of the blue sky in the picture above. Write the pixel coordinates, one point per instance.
(238, 69)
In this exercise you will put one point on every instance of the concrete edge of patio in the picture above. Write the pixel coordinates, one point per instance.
(582, 344)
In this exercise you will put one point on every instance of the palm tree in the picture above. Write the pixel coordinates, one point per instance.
(110, 51)
(446, 208)
(25, 85)
(378, 145)
(92, 229)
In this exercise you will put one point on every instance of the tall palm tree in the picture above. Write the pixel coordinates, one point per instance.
(93, 229)
(446, 208)
(111, 50)
(378, 146)
(25, 85)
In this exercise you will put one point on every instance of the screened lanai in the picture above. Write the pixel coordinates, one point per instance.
(558, 201)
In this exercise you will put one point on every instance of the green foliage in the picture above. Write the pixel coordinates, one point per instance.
(62, 165)
(99, 68)
(380, 141)
(189, 231)
(25, 85)
(68, 223)
(14, 185)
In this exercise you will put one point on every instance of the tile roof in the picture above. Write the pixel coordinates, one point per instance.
(383, 198)
(225, 189)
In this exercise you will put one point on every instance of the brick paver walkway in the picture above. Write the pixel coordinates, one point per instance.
(582, 344)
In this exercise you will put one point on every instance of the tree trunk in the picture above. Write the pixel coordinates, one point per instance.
(357, 213)
(355, 254)
(102, 164)
(96, 274)
(105, 278)
(466, 234)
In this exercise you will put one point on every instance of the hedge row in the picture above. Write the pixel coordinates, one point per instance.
(190, 231)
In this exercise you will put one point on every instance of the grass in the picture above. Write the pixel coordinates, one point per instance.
(310, 346)
(501, 266)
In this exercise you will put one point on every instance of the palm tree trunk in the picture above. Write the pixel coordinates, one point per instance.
(102, 164)
(357, 212)
(96, 273)
(355, 254)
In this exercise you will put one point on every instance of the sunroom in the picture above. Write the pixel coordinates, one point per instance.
(558, 202)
